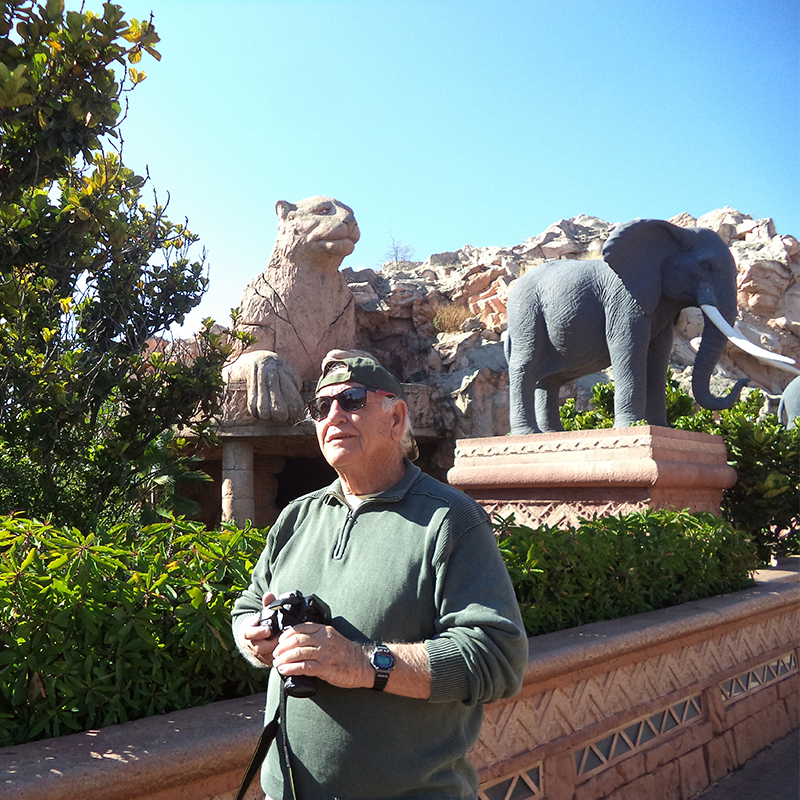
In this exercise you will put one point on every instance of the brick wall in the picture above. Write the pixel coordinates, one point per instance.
(658, 705)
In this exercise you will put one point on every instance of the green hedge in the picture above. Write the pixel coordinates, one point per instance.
(97, 632)
(615, 566)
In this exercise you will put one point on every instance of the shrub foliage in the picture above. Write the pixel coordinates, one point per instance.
(615, 566)
(766, 457)
(99, 631)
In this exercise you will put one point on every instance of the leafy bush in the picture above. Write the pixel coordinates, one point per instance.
(92, 277)
(23, 485)
(94, 632)
(601, 415)
(765, 454)
(99, 630)
(615, 566)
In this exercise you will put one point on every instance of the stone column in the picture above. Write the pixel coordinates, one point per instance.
(238, 501)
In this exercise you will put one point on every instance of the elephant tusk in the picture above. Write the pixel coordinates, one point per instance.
(737, 338)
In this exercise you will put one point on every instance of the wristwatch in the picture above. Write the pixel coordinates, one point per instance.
(382, 662)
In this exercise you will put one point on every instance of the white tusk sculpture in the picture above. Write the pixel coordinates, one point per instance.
(734, 336)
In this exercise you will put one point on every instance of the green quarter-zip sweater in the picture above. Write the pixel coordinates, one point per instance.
(417, 563)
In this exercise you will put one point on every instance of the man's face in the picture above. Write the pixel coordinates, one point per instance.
(362, 438)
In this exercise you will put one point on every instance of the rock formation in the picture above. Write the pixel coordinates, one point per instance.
(439, 322)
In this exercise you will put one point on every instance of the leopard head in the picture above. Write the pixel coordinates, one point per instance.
(318, 231)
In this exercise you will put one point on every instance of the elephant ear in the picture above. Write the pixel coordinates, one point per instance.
(637, 250)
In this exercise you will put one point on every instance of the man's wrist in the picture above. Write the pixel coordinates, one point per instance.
(367, 673)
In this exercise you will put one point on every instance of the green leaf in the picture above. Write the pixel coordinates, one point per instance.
(55, 10)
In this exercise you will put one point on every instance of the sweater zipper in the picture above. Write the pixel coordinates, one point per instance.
(344, 535)
(350, 520)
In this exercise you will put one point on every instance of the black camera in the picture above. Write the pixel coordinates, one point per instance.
(287, 611)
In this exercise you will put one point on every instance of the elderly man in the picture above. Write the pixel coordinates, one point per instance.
(424, 629)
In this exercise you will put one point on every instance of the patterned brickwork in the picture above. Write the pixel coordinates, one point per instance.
(636, 735)
(524, 785)
(752, 680)
(538, 718)
(558, 514)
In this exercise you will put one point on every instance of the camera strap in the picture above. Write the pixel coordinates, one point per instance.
(268, 735)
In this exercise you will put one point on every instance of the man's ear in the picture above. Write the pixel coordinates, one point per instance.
(399, 416)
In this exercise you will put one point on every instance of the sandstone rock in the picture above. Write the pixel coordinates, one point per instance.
(762, 285)
(725, 221)
(443, 258)
(683, 220)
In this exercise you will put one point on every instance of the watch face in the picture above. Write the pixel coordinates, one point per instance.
(383, 660)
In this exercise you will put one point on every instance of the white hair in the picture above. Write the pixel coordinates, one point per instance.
(407, 443)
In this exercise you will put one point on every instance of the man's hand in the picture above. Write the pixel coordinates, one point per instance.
(321, 651)
(259, 639)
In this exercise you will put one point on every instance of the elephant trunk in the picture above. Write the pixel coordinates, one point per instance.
(712, 344)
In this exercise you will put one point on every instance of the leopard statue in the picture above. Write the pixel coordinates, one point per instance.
(297, 310)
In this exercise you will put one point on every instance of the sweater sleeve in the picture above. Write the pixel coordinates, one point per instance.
(480, 650)
(247, 607)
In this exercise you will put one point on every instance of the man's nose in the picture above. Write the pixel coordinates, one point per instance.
(336, 411)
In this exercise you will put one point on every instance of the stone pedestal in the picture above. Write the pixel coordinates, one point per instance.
(555, 478)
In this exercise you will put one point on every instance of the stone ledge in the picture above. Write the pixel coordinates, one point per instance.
(574, 649)
(637, 456)
(592, 472)
(209, 745)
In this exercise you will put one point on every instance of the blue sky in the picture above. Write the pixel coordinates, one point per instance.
(450, 123)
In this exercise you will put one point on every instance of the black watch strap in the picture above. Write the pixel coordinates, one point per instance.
(382, 662)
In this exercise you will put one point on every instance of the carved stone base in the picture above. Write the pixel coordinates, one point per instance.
(555, 478)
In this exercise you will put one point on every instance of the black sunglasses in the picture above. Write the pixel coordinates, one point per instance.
(349, 400)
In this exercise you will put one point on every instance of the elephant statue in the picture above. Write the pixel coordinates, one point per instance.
(789, 408)
(567, 319)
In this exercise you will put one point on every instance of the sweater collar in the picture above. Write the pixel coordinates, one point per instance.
(396, 492)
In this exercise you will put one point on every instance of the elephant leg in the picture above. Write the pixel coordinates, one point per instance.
(628, 350)
(546, 400)
(789, 409)
(521, 387)
(657, 363)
